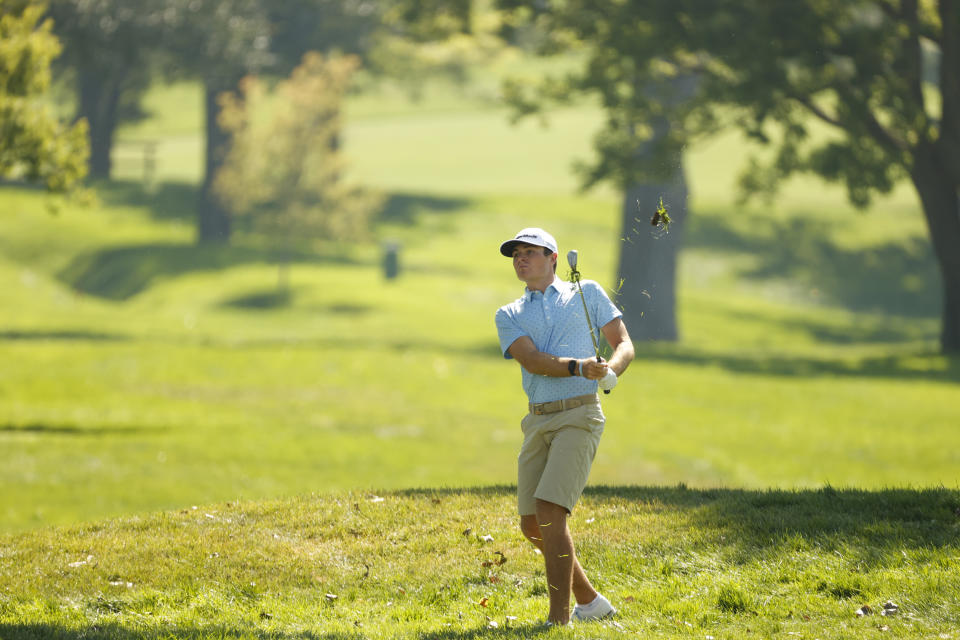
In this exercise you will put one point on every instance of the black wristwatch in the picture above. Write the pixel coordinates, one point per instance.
(572, 367)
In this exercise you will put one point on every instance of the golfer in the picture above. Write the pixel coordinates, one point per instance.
(547, 332)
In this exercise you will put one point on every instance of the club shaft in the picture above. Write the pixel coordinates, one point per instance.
(586, 312)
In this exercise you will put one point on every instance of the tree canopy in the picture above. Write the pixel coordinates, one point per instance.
(34, 144)
(284, 174)
(883, 74)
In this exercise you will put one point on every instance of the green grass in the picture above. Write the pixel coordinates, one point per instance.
(143, 373)
(677, 562)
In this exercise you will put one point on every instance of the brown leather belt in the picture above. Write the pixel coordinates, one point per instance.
(542, 408)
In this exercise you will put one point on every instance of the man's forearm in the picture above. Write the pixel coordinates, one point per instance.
(622, 356)
(547, 364)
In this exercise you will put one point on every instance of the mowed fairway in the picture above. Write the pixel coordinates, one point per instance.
(142, 373)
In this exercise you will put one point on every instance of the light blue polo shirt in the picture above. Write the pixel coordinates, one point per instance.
(554, 320)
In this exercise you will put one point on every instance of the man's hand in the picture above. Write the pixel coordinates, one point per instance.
(593, 370)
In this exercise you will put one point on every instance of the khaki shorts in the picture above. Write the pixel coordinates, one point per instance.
(557, 452)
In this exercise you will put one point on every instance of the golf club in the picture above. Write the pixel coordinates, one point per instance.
(575, 276)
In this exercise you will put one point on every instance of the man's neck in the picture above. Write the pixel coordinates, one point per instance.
(540, 285)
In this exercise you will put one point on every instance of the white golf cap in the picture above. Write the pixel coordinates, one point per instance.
(531, 235)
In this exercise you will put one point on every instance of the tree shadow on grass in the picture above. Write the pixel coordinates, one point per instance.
(262, 300)
(916, 518)
(64, 334)
(70, 430)
(897, 277)
(177, 201)
(40, 631)
(404, 208)
(860, 521)
(119, 273)
(887, 367)
(170, 201)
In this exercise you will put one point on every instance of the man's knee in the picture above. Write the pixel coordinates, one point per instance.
(529, 527)
(550, 514)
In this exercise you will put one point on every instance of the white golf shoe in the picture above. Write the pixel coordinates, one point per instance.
(597, 610)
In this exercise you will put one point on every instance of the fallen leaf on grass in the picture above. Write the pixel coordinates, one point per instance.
(629, 599)
(865, 610)
(483, 602)
(80, 563)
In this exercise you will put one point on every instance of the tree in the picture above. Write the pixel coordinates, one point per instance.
(111, 50)
(115, 51)
(33, 143)
(769, 68)
(285, 175)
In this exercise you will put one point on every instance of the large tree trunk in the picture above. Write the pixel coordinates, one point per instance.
(941, 208)
(648, 254)
(648, 259)
(99, 100)
(213, 219)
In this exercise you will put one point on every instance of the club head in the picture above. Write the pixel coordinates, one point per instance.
(572, 259)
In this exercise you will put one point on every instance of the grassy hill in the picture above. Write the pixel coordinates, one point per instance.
(146, 374)
(450, 563)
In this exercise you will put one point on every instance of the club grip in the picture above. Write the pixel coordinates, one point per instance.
(605, 391)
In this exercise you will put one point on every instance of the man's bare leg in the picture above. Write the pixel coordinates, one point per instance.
(583, 591)
(548, 531)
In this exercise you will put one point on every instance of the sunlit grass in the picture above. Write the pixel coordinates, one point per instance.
(677, 563)
(806, 405)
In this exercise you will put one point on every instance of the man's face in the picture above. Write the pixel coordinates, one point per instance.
(531, 264)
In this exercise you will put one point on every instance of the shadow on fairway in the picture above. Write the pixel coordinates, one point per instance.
(116, 632)
(751, 518)
(69, 430)
(119, 273)
(404, 208)
(897, 277)
(173, 201)
(10, 631)
(861, 521)
(483, 348)
(66, 334)
(892, 367)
